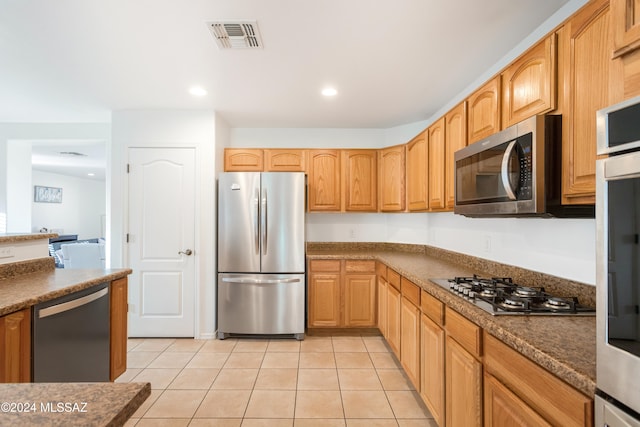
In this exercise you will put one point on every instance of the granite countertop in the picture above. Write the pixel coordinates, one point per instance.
(18, 291)
(564, 345)
(70, 404)
(16, 237)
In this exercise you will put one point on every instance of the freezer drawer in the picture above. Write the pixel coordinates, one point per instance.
(261, 304)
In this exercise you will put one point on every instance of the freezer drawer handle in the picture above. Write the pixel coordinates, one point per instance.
(70, 305)
(245, 280)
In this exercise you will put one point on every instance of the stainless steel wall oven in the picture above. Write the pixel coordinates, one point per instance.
(618, 265)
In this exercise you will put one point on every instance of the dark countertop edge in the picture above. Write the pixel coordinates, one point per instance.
(17, 237)
(581, 381)
(107, 275)
(131, 407)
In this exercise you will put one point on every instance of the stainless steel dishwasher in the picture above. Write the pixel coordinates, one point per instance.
(71, 337)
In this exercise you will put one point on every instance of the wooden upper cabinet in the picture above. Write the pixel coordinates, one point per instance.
(243, 160)
(417, 151)
(323, 169)
(626, 26)
(455, 139)
(586, 49)
(484, 111)
(391, 178)
(436, 166)
(284, 160)
(529, 84)
(360, 183)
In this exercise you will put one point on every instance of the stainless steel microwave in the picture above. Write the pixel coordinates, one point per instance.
(515, 172)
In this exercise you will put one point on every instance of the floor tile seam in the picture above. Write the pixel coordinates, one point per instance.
(175, 367)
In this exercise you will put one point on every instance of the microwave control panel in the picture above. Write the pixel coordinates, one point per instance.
(525, 190)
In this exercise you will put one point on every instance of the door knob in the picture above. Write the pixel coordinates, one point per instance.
(186, 252)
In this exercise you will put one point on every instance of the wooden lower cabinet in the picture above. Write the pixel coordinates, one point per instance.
(432, 367)
(381, 272)
(118, 326)
(551, 398)
(394, 303)
(15, 352)
(463, 386)
(410, 341)
(324, 293)
(502, 408)
(359, 300)
(342, 293)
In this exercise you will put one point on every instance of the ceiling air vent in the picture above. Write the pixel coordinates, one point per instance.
(236, 34)
(71, 154)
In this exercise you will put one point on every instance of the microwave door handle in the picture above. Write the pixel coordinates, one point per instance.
(505, 170)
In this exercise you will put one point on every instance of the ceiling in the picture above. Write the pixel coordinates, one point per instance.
(392, 61)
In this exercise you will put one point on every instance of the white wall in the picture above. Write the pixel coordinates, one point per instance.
(19, 190)
(82, 209)
(24, 132)
(171, 128)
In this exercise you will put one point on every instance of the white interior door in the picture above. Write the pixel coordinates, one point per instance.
(161, 242)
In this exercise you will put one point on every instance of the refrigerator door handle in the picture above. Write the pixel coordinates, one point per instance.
(256, 224)
(264, 221)
(249, 280)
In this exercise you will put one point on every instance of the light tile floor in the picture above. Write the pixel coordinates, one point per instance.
(323, 381)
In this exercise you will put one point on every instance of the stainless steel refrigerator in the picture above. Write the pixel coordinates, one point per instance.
(261, 254)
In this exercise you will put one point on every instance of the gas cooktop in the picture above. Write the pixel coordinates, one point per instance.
(500, 296)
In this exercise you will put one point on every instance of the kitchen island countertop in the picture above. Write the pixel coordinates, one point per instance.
(564, 345)
(70, 404)
(25, 290)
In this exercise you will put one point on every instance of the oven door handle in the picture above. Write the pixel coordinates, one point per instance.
(504, 170)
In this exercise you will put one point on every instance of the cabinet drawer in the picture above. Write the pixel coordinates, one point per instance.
(410, 291)
(432, 307)
(393, 278)
(360, 267)
(381, 270)
(317, 265)
(555, 400)
(464, 331)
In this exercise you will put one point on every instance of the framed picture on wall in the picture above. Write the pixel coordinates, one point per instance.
(47, 194)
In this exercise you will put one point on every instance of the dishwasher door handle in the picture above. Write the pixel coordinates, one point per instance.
(70, 305)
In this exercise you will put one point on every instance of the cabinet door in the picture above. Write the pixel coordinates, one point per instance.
(284, 160)
(392, 179)
(382, 306)
(432, 367)
(417, 150)
(626, 25)
(437, 165)
(463, 387)
(410, 341)
(360, 184)
(243, 160)
(484, 111)
(393, 319)
(324, 299)
(502, 408)
(360, 300)
(455, 139)
(586, 81)
(529, 84)
(324, 180)
(15, 352)
(118, 325)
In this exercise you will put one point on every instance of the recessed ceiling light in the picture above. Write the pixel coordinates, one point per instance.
(197, 91)
(91, 174)
(329, 91)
